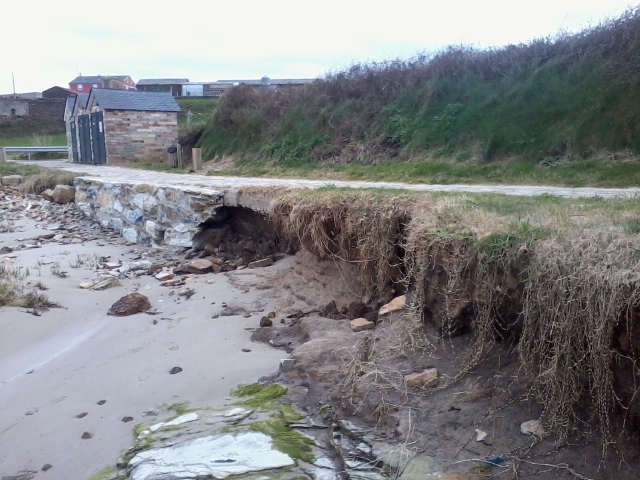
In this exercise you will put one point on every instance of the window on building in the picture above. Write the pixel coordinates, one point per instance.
(13, 112)
(95, 85)
(80, 87)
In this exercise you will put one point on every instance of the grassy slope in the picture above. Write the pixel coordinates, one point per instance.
(551, 111)
(26, 141)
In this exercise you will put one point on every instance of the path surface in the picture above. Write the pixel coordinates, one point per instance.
(121, 174)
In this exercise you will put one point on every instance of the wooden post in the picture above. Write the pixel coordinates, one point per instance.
(3, 155)
(196, 154)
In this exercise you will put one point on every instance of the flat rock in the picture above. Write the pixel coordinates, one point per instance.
(394, 305)
(422, 378)
(164, 276)
(216, 456)
(130, 305)
(265, 262)
(47, 194)
(359, 324)
(201, 265)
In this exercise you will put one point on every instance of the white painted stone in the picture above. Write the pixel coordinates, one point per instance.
(118, 207)
(218, 456)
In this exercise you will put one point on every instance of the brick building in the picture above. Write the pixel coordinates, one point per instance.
(86, 83)
(121, 126)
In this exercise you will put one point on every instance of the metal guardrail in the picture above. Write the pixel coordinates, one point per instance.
(29, 150)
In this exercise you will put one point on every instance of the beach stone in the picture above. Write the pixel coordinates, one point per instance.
(87, 435)
(360, 324)
(164, 276)
(46, 466)
(532, 427)
(63, 194)
(266, 322)
(102, 402)
(155, 268)
(175, 370)
(127, 419)
(130, 305)
(394, 305)
(47, 194)
(421, 379)
(357, 310)
(330, 310)
(81, 415)
(265, 262)
(199, 266)
(287, 364)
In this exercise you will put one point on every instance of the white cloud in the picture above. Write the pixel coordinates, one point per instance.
(46, 43)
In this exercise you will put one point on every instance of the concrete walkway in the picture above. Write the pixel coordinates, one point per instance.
(129, 175)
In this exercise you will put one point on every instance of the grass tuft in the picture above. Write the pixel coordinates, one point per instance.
(259, 396)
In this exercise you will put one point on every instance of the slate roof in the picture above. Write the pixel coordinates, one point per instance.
(135, 100)
(84, 98)
(82, 79)
(162, 81)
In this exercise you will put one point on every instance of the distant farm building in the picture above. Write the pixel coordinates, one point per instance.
(85, 83)
(171, 85)
(218, 88)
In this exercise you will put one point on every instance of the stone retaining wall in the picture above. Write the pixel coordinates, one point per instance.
(145, 213)
(158, 214)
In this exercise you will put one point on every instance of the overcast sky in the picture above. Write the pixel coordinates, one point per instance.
(47, 43)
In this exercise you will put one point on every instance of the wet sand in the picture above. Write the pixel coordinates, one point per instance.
(58, 365)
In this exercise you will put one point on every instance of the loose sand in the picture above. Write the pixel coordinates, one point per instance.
(58, 365)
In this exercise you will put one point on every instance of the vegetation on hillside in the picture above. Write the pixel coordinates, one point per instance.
(554, 100)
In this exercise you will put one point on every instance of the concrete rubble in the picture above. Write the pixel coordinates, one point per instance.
(219, 456)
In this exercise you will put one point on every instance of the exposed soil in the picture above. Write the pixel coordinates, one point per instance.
(362, 376)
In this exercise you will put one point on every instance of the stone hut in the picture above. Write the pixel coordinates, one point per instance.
(122, 126)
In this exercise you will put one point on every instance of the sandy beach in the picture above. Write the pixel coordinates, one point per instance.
(61, 364)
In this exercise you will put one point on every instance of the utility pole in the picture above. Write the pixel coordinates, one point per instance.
(13, 80)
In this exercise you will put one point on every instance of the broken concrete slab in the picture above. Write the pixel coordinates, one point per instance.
(218, 456)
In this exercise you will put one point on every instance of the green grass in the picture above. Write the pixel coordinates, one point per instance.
(594, 173)
(34, 140)
(285, 439)
(259, 396)
(202, 108)
(10, 168)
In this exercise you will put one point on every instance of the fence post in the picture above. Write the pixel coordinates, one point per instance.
(196, 155)
(3, 155)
